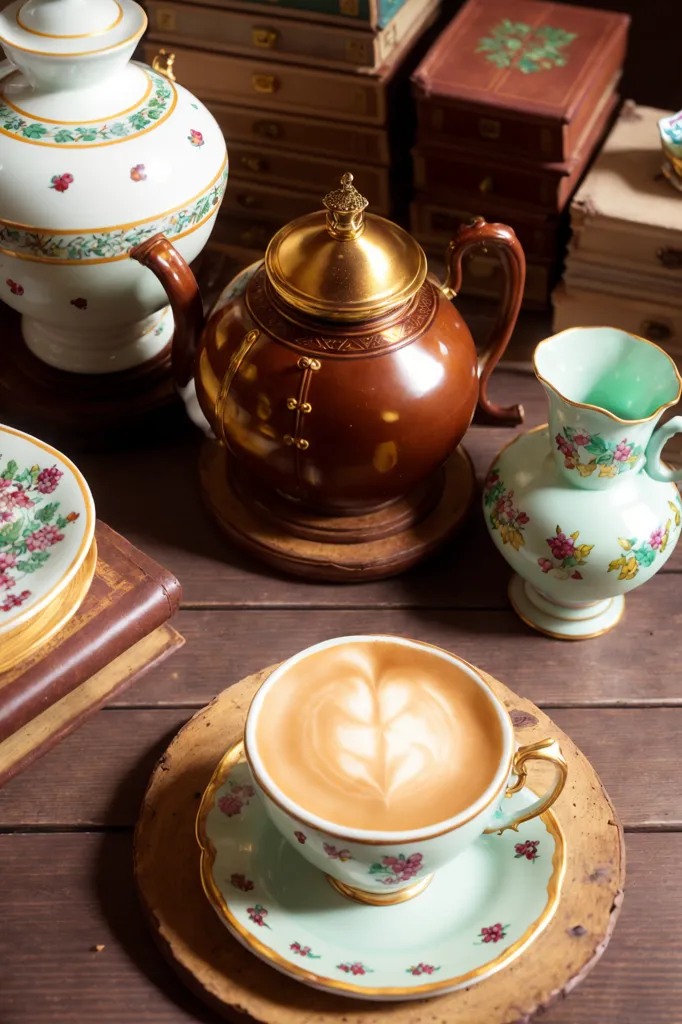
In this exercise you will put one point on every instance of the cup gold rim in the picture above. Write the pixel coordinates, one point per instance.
(389, 838)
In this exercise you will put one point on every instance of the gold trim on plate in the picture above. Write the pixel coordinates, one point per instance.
(22, 642)
(88, 534)
(247, 938)
(82, 53)
(80, 35)
(598, 408)
(96, 120)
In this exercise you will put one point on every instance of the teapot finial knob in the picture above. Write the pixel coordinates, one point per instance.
(345, 210)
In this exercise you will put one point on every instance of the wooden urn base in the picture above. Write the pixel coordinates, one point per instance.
(239, 986)
(87, 410)
(344, 548)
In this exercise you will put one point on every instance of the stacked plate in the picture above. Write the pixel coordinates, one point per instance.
(48, 552)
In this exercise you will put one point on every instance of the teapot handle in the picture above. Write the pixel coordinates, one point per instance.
(504, 241)
(655, 466)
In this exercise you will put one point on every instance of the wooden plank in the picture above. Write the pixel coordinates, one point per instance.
(66, 893)
(223, 646)
(151, 495)
(97, 776)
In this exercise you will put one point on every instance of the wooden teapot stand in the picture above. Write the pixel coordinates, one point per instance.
(86, 410)
(344, 548)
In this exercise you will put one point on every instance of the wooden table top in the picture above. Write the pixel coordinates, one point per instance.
(66, 823)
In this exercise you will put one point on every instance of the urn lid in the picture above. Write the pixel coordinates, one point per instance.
(344, 264)
(71, 28)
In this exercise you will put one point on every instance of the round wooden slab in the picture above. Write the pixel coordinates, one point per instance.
(354, 549)
(233, 981)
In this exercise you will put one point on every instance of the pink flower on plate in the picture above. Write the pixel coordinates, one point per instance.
(494, 933)
(14, 600)
(529, 849)
(7, 560)
(230, 804)
(354, 968)
(16, 289)
(44, 538)
(258, 915)
(5, 581)
(196, 138)
(422, 969)
(18, 499)
(622, 452)
(656, 538)
(342, 855)
(301, 836)
(138, 173)
(61, 182)
(581, 439)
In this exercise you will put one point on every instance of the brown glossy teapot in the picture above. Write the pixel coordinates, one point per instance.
(337, 373)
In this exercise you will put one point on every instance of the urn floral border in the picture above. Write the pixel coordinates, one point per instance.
(567, 555)
(149, 114)
(504, 515)
(107, 245)
(606, 458)
(640, 554)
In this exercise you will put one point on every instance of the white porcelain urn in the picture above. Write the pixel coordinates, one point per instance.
(97, 153)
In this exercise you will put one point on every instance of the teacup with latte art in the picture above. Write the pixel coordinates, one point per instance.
(373, 735)
(380, 759)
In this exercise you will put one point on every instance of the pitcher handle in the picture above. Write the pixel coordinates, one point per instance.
(655, 467)
(504, 241)
(542, 750)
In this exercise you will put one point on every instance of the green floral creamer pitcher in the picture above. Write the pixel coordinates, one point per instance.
(584, 509)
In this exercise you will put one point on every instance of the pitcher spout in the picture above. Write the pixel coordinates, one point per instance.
(181, 287)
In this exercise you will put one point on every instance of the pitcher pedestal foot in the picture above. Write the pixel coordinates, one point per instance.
(563, 622)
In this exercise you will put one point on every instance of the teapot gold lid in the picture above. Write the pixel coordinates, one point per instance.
(342, 263)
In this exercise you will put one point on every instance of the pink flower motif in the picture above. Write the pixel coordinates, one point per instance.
(16, 289)
(354, 968)
(504, 507)
(581, 439)
(240, 881)
(545, 564)
(18, 499)
(5, 581)
(561, 546)
(301, 836)
(14, 600)
(564, 445)
(422, 969)
(137, 173)
(656, 538)
(576, 575)
(622, 452)
(61, 182)
(331, 851)
(529, 849)
(258, 915)
(522, 519)
(196, 138)
(397, 869)
(7, 560)
(230, 804)
(5, 482)
(494, 933)
(44, 538)
(296, 947)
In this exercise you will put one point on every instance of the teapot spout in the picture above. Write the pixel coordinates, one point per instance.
(181, 287)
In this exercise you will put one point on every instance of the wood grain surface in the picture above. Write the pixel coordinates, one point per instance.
(65, 824)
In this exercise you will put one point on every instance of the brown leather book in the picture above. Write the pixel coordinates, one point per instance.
(521, 76)
(130, 596)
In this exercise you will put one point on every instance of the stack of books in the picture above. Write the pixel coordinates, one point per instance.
(624, 266)
(513, 101)
(303, 94)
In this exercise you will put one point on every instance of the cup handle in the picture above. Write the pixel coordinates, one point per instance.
(542, 750)
(502, 240)
(655, 467)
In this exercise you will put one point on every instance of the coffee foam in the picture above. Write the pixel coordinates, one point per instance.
(377, 735)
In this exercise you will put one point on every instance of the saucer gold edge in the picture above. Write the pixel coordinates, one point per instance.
(247, 939)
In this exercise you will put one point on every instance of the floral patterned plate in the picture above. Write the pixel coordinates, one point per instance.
(47, 523)
(477, 915)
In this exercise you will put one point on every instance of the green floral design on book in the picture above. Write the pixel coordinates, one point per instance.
(151, 112)
(512, 44)
(109, 245)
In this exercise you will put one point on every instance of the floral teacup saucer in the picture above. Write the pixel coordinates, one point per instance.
(478, 914)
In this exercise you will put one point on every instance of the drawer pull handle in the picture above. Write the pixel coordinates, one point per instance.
(254, 163)
(264, 38)
(265, 83)
(671, 259)
(654, 330)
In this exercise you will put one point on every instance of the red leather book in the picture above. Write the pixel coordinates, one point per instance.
(118, 631)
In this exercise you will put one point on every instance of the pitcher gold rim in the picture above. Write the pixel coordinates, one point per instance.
(599, 408)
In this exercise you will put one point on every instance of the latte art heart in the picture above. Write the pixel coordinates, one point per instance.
(379, 736)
